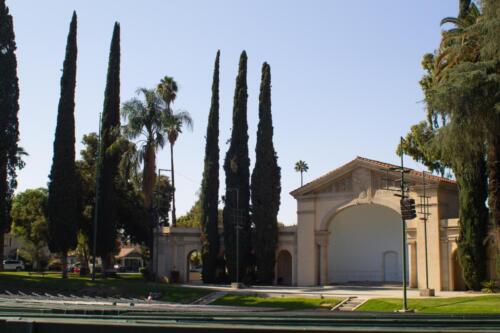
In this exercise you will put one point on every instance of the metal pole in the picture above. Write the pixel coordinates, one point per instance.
(94, 242)
(403, 222)
(237, 236)
(155, 237)
(425, 233)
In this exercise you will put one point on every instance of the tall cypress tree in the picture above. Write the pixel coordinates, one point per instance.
(236, 167)
(473, 216)
(107, 170)
(63, 202)
(266, 186)
(209, 197)
(9, 126)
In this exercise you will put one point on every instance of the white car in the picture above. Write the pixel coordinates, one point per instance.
(13, 265)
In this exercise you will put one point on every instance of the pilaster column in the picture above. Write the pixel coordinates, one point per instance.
(322, 240)
(412, 249)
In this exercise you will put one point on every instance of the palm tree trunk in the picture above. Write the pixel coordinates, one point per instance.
(301, 178)
(149, 174)
(174, 219)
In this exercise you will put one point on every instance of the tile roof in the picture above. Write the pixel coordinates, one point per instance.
(378, 164)
(412, 172)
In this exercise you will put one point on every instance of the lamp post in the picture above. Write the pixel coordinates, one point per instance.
(157, 224)
(237, 226)
(403, 221)
(407, 212)
(424, 210)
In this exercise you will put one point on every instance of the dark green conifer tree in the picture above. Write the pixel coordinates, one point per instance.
(63, 212)
(9, 126)
(109, 159)
(266, 186)
(236, 167)
(209, 196)
(473, 216)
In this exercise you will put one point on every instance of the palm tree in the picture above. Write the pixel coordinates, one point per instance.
(167, 88)
(146, 120)
(173, 125)
(301, 167)
(460, 43)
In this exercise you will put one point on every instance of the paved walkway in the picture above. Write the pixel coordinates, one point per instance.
(365, 292)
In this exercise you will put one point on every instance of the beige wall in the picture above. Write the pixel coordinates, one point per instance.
(173, 246)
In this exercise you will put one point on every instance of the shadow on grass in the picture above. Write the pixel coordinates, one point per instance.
(127, 285)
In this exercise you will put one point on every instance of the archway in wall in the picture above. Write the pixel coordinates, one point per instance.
(193, 267)
(458, 277)
(365, 245)
(284, 268)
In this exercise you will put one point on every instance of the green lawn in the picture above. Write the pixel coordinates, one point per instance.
(472, 304)
(288, 303)
(127, 285)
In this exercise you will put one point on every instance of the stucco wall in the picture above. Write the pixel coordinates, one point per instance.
(365, 245)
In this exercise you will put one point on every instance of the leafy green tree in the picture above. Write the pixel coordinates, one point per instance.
(266, 186)
(209, 196)
(163, 192)
(192, 219)
(10, 159)
(461, 88)
(29, 224)
(236, 166)
(301, 167)
(63, 214)
(132, 215)
(109, 159)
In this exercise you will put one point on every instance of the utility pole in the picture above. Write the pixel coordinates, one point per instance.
(94, 241)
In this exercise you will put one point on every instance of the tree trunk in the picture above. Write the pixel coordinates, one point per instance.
(2, 241)
(494, 179)
(149, 174)
(174, 219)
(473, 214)
(64, 263)
(106, 265)
(4, 211)
(494, 187)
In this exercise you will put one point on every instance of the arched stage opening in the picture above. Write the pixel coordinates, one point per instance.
(365, 245)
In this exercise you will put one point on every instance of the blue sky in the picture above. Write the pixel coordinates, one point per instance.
(344, 74)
